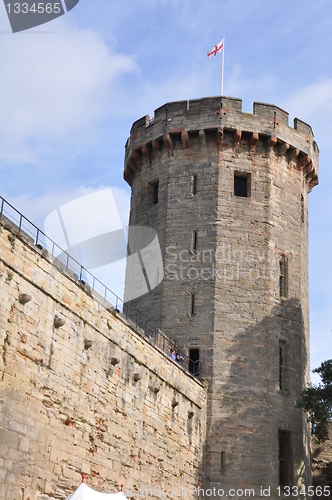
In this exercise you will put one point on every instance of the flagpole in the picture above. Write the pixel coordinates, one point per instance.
(222, 66)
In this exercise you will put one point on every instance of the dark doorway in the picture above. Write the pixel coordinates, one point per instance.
(285, 458)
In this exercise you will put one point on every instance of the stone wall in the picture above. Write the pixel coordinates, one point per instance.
(90, 396)
(322, 464)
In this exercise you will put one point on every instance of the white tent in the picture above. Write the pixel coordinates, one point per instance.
(83, 492)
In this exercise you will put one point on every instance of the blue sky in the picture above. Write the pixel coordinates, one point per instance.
(70, 90)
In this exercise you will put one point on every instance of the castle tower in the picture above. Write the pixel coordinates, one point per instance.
(227, 193)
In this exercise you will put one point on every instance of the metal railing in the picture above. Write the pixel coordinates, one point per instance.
(31, 234)
(194, 367)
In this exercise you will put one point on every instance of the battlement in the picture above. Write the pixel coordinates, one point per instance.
(219, 114)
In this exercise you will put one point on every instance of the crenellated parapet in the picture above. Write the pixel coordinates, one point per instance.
(216, 115)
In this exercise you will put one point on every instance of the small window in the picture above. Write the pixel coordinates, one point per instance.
(194, 184)
(215, 461)
(194, 242)
(241, 185)
(285, 458)
(153, 192)
(302, 208)
(282, 366)
(222, 461)
(283, 277)
(155, 188)
(194, 363)
(192, 305)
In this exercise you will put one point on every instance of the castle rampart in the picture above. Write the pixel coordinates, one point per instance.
(82, 393)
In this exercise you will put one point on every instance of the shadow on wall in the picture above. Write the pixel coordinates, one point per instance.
(322, 463)
(261, 376)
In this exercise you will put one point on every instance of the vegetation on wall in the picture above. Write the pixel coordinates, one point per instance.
(317, 401)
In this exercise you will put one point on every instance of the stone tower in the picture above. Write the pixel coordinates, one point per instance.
(227, 193)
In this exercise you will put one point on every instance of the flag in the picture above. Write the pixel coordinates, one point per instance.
(217, 48)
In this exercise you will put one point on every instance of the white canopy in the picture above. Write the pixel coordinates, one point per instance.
(83, 492)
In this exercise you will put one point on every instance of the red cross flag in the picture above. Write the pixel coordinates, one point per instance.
(217, 48)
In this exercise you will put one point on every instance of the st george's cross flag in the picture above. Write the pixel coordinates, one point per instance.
(217, 48)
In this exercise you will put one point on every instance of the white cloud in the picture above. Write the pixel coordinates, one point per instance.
(313, 104)
(239, 85)
(55, 87)
(313, 98)
(187, 86)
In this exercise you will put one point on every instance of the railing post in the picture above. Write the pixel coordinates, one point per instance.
(136, 321)
(52, 249)
(37, 236)
(81, 272)
(67, 262)
(2, 202)
(93, 284)
(19, 227)
(155, 335)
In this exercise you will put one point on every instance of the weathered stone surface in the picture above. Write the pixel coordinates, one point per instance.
(67, 408)
(322, 466)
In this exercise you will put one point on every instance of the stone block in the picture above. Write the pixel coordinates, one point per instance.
(9, 439)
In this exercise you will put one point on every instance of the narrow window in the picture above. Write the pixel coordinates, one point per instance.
(194, 243)
(194, 362)
(215, 461)
(155, 187)
(241, 185)
(302, 208)
(153, 192)
(285, 458)
(222, 461)
(194, 185)
(192, 305)
(282, 366)
(283, 277)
